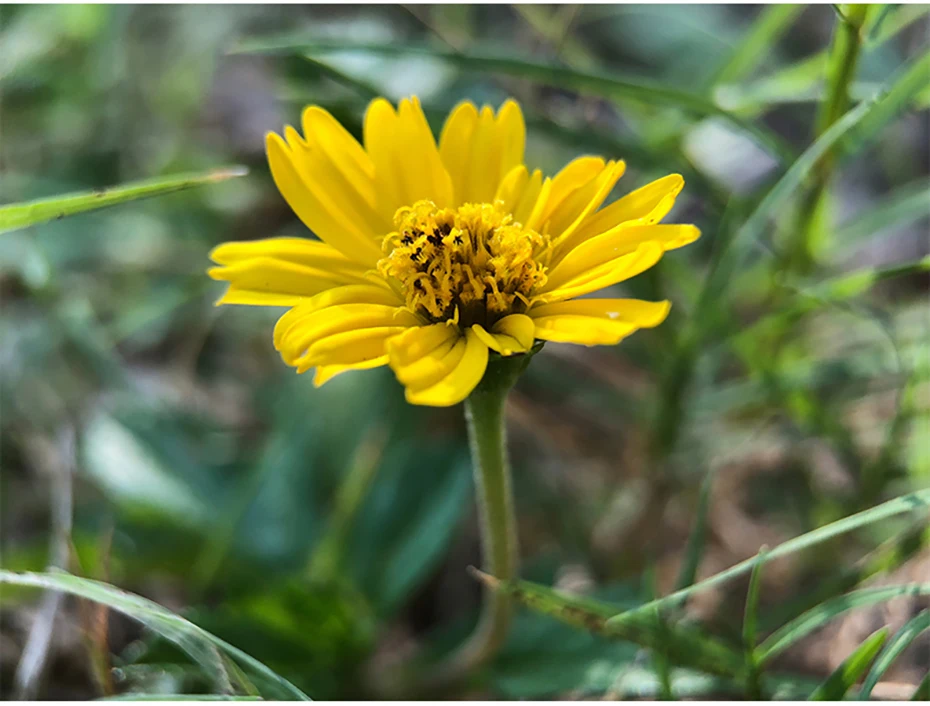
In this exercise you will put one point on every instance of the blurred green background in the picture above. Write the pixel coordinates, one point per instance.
(326, 531)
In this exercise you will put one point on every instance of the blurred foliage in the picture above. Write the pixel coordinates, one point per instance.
(325, 532)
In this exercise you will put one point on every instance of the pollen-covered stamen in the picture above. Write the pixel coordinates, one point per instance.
(473, 263)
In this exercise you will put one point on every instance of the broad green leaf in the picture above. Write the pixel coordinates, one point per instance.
(835, 686)
(919, 500)
(606, 85)
(22, 215)
(202, 647)
(683, 645)
(900, 642)
(817, 617)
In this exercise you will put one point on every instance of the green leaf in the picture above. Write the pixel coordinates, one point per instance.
(195, 641)
(22, 215)
(835, 686)
(606, 85)
(900, 642)
(685, 646)
(919, 500)
(817, 617)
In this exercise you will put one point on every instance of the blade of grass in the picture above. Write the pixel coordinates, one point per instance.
(904, 205)
(772, 22)
(882, 560)
(919, 500)
(195, 641)
(902, 89)
(750, 621)
(606, 85)
(819, 616)
(835, 686)
(900, 642)
(683, 645)
(22, 215)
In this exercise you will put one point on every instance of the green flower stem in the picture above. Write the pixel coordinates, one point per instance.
(484, 413)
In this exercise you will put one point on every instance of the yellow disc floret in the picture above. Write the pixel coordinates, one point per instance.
(472, 264)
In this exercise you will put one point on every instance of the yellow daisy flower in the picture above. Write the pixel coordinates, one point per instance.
(434, 255)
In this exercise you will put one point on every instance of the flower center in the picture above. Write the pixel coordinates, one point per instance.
(472, 264)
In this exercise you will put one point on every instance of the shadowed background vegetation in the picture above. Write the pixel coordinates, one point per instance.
(159, 444)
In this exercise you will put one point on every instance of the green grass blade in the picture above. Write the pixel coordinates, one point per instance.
(682, 645)
(752, 48)
(904, 205)
(910, 81)
(817, 617)
(843, 677)
(776, 199)
(603, 84)
(195, 641)
(919, 500)
(750, 615)
(900, 642)
(22, 215)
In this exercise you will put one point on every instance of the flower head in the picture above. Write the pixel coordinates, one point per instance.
(433, 256)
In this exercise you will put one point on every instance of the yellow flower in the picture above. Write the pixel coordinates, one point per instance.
(432, 256)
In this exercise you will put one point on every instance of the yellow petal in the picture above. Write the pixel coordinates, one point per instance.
(620, 241)
(583, 330)
(297, 334)
(349, 347)
(347, 294)
(605, 275)
(519, 327)
(480, 148)
(342, 148)
(584, 201)
(300, 250)
(511, 137)
(347, 194)
(459, 383)
(512, 188)
(321, 215)
(425, 175)
(527, 201)
(325, 373)
(500, 342)
(574, 175)
(642, 314)
(455, 145)
(647, 205)
(432, 367)
(412, 345)
(272, 282)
